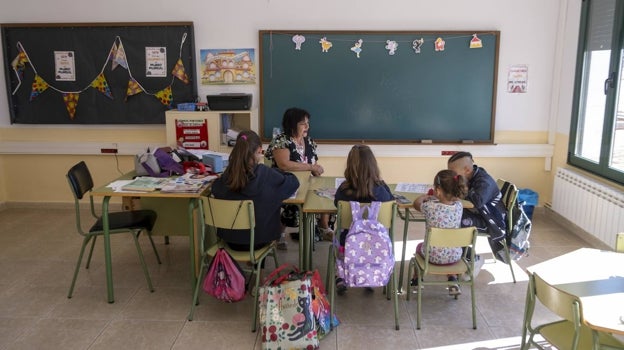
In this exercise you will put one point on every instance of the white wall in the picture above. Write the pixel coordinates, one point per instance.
(529, 33)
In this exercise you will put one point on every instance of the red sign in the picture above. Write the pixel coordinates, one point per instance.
(192, 133)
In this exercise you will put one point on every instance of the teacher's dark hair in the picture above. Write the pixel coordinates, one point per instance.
(291, 118)
(242, 160)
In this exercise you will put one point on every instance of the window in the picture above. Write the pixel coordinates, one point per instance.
(597, 128)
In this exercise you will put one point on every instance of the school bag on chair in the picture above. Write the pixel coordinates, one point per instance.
(368, 254)
(225, 280)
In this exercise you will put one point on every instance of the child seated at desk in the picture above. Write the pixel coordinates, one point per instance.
(442, 209)
(363, 184)
(246, 177)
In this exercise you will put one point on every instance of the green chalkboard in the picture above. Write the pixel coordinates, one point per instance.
(433, 96)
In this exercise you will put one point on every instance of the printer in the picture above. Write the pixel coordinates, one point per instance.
(229, 102)
(216, 160)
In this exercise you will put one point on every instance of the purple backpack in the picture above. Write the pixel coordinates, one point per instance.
(368, 253)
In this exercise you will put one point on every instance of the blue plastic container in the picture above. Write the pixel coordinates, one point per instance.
(529, 199)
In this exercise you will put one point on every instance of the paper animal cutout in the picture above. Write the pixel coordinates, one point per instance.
(357, 47)
(439, 44)
(298, 40)
(391, 46)
(325, 45)
(475, 42)
(416, 44)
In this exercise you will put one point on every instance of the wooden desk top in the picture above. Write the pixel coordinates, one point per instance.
(104, 191)
(302, 191)
(596, 277)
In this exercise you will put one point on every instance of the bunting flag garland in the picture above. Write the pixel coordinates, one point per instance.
(165, 96)
(133, 88)
(119, 57)
(19, 64)
(38, 86)
(101, 85)
(71, 102)
(178, 72)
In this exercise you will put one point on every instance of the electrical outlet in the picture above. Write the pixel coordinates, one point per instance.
(108, 150)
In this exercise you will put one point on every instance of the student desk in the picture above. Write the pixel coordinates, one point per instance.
(107, 193)
(596, 277)
(299, 200)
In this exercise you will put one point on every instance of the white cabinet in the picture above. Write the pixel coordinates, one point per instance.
(214, 121)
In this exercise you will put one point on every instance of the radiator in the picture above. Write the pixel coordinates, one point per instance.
(595, 207)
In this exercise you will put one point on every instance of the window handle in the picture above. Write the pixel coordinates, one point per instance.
(609, 82)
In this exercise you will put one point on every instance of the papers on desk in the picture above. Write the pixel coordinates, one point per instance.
(412, 187)
(339, 181)
(326, 192)
(187, 183)
(145, 184)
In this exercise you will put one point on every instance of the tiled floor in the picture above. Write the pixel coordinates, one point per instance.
(39, 248)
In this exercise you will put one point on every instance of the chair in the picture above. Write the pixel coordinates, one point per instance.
(566, 333)
(387, 213)
(509, 196)
(619, 242)
(232, 215)
(132, 222)
(445, 237)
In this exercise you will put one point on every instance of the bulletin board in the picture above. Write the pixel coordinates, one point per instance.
(367, 93)
(98, 73)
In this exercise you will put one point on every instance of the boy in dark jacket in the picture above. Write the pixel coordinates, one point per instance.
(488, 214)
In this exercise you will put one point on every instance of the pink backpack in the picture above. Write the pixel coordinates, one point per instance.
(225, 280)
(368, 253)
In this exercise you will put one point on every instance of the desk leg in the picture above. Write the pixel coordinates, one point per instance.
(191, 223)
(107, 250)
(402, 262)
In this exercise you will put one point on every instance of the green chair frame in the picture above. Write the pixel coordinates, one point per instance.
(231, 215)
(387, 214)
(566, 333)
(445, 237)
(81, 183)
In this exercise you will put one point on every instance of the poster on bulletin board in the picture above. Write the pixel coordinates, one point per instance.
(192, 133)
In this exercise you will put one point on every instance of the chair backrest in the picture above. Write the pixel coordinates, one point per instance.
(619, 242)
(80, 180)
(229, 214)
(562, 304)
(509, 196)
(451, 237)
(386, 216)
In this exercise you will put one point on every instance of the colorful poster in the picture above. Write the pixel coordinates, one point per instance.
(64, 66)
(517, 78)
(192, 133)
(156, 61)
(227, 66)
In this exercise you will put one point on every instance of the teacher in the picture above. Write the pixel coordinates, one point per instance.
(294, 150)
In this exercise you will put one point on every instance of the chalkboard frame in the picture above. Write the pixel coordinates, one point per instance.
(270, 116)
(93, 107)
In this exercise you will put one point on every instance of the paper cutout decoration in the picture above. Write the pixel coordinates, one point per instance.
(133, 88)
(71, 102)
(19, 64)
(119, 57)
(475, 42)
(38, 86)
(325, 45)
(165, 96)
(439, 44)
(101, 85)
(391, 46)
(178, 72)
(298, 40)
(416, 44)
(357, 47)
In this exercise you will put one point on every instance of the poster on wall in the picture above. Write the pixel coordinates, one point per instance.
(517, 78)
(156, 61)
(192, 133)
(227, 66)
(64, 66)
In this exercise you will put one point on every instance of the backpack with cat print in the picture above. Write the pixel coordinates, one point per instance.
(368, 253)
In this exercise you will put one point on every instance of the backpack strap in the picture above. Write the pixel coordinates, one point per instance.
(373, 210)
(356, 212)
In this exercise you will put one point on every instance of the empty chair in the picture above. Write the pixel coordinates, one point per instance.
(131, 222)
(232, 215)
(566, 333)
(450, 238)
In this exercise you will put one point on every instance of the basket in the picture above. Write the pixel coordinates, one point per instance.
(186, 106)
